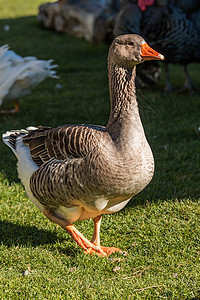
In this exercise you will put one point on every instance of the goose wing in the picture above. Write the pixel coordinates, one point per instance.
(61, 155)
(63, 142)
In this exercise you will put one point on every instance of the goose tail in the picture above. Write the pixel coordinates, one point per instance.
(14, 137)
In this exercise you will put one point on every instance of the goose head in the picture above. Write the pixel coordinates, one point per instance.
(131, 49)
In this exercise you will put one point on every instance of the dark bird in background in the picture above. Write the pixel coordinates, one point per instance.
(172, 27)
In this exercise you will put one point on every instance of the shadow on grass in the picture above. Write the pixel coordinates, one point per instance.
(21, 235)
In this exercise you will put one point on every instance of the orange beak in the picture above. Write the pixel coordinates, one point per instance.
(147, 53)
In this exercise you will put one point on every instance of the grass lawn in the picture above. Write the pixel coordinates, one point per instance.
(159, 228)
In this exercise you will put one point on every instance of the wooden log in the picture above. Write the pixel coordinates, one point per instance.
(88, 19)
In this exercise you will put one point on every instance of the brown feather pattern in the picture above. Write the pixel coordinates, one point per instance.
(64, 142)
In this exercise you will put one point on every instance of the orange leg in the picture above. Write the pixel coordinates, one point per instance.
(12, 111)
(96, 237)
(76, 235)
(92, 247)
(96, 233)
(16, 103)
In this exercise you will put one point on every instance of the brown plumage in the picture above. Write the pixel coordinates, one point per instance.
(76, 172)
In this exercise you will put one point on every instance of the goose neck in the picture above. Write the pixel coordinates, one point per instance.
(124, 109)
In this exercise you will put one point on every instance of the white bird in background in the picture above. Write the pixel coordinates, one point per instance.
(19, 75)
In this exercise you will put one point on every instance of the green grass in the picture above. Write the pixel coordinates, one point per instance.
(159, 228)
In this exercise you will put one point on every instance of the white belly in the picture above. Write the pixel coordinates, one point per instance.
(80, 213)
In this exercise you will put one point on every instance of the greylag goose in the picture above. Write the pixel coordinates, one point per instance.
(19, 75)
(77, 172)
